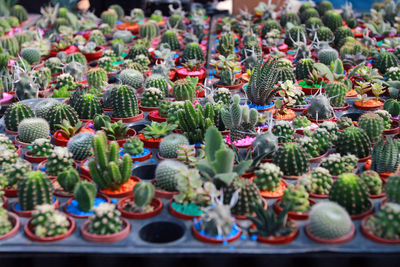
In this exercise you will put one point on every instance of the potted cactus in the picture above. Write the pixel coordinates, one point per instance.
(192, 68)
(269, 180)
(49, 225)
(134, 147)
(91, 51)
(40, 150)
(369, 104)
(313, 84)
(153, 133)
(67, 131)
(142, 204)
(118, 131)
(228, 80)
(10, 223)
(105, 225)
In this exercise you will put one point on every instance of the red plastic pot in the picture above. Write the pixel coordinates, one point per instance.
(99, 195)
(293, 215)
(69, 50)
(147, 109)
(142, 158)
(211, 240)
(373, 237)
(183, 73)
(130, 133)
(61, 193)
(319, 158)
(16, 222)
(155, 116)
(130, 119)
(365, 213)
(10, 192)
(5, 201)
(394, 129)
(105, 238)
(318, 196)
(280, 240)
(161, 193)
(178, 214)
(123, 194)
(149, 143)
(244, 217)
(59, 140)
(28, 213)
(155, 203)
(345, 107)
(310, 91)
(31, 235)
(11, 132)
(95, 55)
(33, 159)
(340, 240)
(230, 87)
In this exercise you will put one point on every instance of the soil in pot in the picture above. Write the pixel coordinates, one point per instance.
(125, 207)
(277, 193)
(370, 104)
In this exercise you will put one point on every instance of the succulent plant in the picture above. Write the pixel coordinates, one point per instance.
(124, 102)
(353, 141)
(59, 160)
(49, 222)
(337, 164)
(372, 124)
(385, 223)
(157, 130)
(143, 194)
(68, 178)
(80, 146)
(105, 220)
(268, 177)
(16, 113)
(295, 199)
(15, 172)
(373, 181)
(35, 189)
(283, 130)
(133, 146)
(319, 181)
(169, 145)
(385, 156)
(292, 159)
(31, 129)
(132, 77)
(85, 193)
(41, 147)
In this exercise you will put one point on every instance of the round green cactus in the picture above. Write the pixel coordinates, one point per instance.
(184, 89)
(41, 147)
(325, 34)
(304, 67)
(328, 55)
(59, 160)
(31, 54)
(109, 17)
(124, 102)
(165, 174)
(80, 146)
(373, 181)
(97, 78)
(295, 199)
(291, 17)
(337, 165)
(336, 91)
(193, 51)
(284, 131)
(392, 189)
(88, 106)
(319, 181)
(68, 178)
(332, 20)
(151, 97)
(386, 222)
(60, 112)
(31, 129)
(157, 81)
(132, 77)
(222, 95)
(85, 193)
(372, 124)
(170, 37)
(169, 145)
(133, 146)
(353, 141)
(16, 113)
(105, 220)
(268, 177)
(292, 159)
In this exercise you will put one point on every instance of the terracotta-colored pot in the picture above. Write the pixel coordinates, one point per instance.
(11, 132)
(230, 87)
(122, 194)
(163, 194)
(280, 240)
(5, 201)
(372, 236)
(28, 213)
(365, 213)
(99, 195)
(33, 159)
(319, 158)
(293, 215)
(394, 129)
(95, 55)
(130, 133)
(58, 141)
(16, 223)
(340, 240)
(211, 240)
(23, 144)
(318, 196)
(130, 119)
(154, 116)
(29, 231)
(345, 107)
(105, 238)
(155, 203)
(178, 214)
(364, 159)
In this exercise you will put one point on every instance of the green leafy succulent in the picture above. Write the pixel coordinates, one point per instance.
(116, 131)
(157, 130)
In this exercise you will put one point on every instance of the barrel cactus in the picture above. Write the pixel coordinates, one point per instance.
(59, 160)
(31, 129)
(169, 145)
(372, 124)
(295, 199)
(165, 174)
(124, 102)
(80, 146)
(268, 177)
(353, 141)
(292, 159)
(151, 97)
(319, 181)
(16, 113)
(35, 189)
(385, 223)
(373, 181)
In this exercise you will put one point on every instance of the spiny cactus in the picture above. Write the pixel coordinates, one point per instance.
(133, 146)
(143, 194)
(15, 172)
(31, 54)
(124, 102)
(88, 106)
(318, 181)
(149, 30)
(295, 199)
(385, 156)
(328, 55)
(304, 67)
(292, 159)
(337, 165)
(15, 114)
(372, 124)
(5, 223)
(329, 220)
(85, 193)
(268, 177)
(132, 78)
(373, 182)
(284, 131)
(392, 189)
(35, 189)
(110, 17)
(385, 61)
(157, 81)
(386, 222)
(226, 44)
(97, 78)
(41, 147)
(170, 37)
(105, 220)
(59, 160)
(68, 178)
(152, 97)
(223, 95)
(353, 141)
(332, 20)
(31, 129)
(169, 145)
(351, 193)
(336, 91)
(185, 89)
(80, 146)
(193, 51)
(49, 222)
(165, 174)
(60, 112)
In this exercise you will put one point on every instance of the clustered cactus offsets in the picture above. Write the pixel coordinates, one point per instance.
(219, 112)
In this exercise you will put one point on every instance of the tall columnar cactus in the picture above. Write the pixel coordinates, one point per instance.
(185, 89)
(372, 124)
(349, 192)
(249, 196)
(329, 220)
(318, 181)
(336, 91)
(165, 174)
(170, 37)
(240, 120)
(292, 159)
(60, 112)
(105, 220)
(15, 114)
(124, 102)
(392, 189)
(132, 77)
(353, 141)
(149, 30)
(386, 222)
(332, 20)
(59, 160)
(88, 106)
(385, 156)
(97, 78)
(85, 193)
(193, 51)
(35, 189)
(152, 97)
(284, 131)
(194, 121)
(80, 146)
(385, 61)
(109, 17)
(328, 55)
(143, 194)
(295, 198)
(268, 177)
(304, 67)
(68, 178)
(372, 180)
(10, 44)
(169, 145)
(157, 81)
(107, 170)
(226, 44)
(31, 129)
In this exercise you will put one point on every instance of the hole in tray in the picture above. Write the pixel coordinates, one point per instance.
(161, 232)
(352, 115)
(138, 127)
(145, 172)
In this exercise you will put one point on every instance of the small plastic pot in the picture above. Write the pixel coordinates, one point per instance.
(11, 132)
(59, 141)
(28, 213)
(10, 192)
(154, 116)
(155, 203)
(281, 239)
(33, 159)
(358, 105)
(99, 195)
(95, 55)
(244, 217)
(293, 215)
(372, 236)
(183, 73)
(336, 241)
(319, 158)
(267, 194)
(147, 109)
(29, 231)
(23, 144)
(150, 143)
(139, 117)
(230, 87)
(105, 238)
(122, 194)
(178, 214)
(130, 133)
(318, 196)
(394, 129)
(365, 213)
(142, 158)
(161, 193)
(211, 240)
(16, 222)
